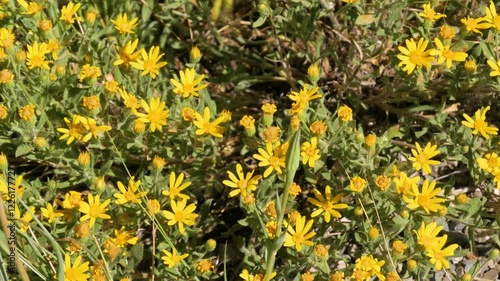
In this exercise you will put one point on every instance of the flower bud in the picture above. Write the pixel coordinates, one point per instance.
(210, 244)
(84, 158)
(313, 73)
(4, 164)
(40, 142)
(195, 55)
(470, 66)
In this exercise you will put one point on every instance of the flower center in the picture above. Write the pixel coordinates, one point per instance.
(274, 161)
(94, 211)
(298, 238)
(480, 125)
(448, 54)
(416, 57)
(179, 216)
(37, 60)
(242, 184)
(422, 158)
(423, 200)
(496, 22)
(188, 88)
(493, 162)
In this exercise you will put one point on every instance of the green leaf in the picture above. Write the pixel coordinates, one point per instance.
(259, 22)
(23, 149)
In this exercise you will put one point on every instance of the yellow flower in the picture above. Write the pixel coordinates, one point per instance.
(357, 184)
(195, 55)
(225, 115)
(68, 11)
(345, 113)
(172, 259)
(27, 112)
(123, 237)
(430, 14)
(492, 17)
(475, 24)
(7, 38)
(318, 128)
(123, 25)
(415, 55)
(77, 271)
(446, 55)
(306, 94)
(89, 72)
(155, 114)
(149, 64)
(187, 114)
(269, 157)
(370, 265)
(241, 183)
(490, 163)
(129, 194)
(470, 66)
(94, 209)
(3, 111)
(371, 140)
(83, 158)
(36, 56)
(205, 126)
(425, 199)
(247, 122)
(269, 108)
(31, 7)
(307, 277)
(271, 229)
(383, 182)
(479, 124)
(327, 204)
(94, 130)
(75, 130)
(153, 206)
(181, 214)
(72, 199)
(337, 276)
(158, 163)
(447, 32)
(399, 246)
(495, 66)
(111, 86)
(438, 255)
(44, 25)
(205, 266)
(53, 47)
(300, 235)
(309, 153)
(246, 276)
(404, 185)
(91, 103)
(188, 85)
(176, 186)
(271, 134)
(422, 158)
(129, 100)
(128, 54)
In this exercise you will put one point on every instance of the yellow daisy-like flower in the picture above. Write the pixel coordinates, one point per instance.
(490, 163)
(327, 204)
(306, 94)
(76, 129)
(415, 55)
(241, 183)
(149, 62)
(30, 7)
(94, 130)
(94, 209)
(369, 265)
(129, 194)
(269, 157)
(172, 259)
(53, 47)
(492, 17)
(478, 124)
(89, 72)
(188, 85)
(68, 12)
(438, 255)
(427, 234)
(7, 38)
(36, 56)
(309, 153)
(123, 25)
(77, 271)
(422, 158)
(123, 237)
(129, 100)
(300, 235)
(475, 24)
(430, 14)
(495, 66)
(27, 112)
(181, 214)
(49, 213)
(357, 184)
(5, 77)
(205, 126)
(425, 199)
(447, 32)
(404, 184)
(345, 113)
(205, 266)
(3, 111)
(155, 114)
(246, 276)
(446, 55)
(176, 187)
(128, 54)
